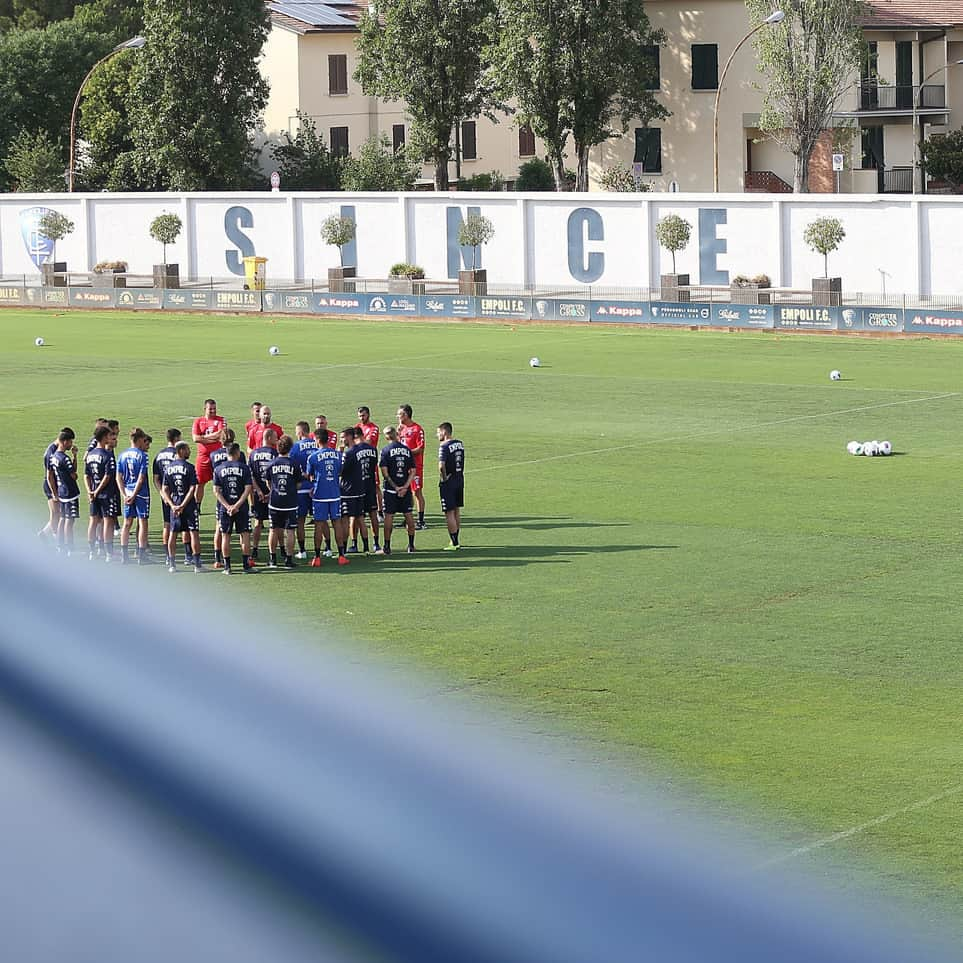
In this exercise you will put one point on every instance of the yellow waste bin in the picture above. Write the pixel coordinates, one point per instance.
(254, 273)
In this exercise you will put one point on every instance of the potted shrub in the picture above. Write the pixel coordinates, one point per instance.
(165, 228)
(824, 235)
(110, 274)
(406, 279)
(339, 231)
(475, 231)
(673, 233)
(754, 290)
(55, 227)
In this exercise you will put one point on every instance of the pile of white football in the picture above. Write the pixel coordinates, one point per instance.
(870, 448)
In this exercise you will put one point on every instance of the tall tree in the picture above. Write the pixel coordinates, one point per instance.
(197, 93)
(429, 54)
(578, 66)
(809, 59)
(531, 70)
(28, 14)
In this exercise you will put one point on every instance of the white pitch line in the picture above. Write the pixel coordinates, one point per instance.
(862, 827)
(722, 431)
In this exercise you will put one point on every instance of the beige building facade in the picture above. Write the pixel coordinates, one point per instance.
(905, 91)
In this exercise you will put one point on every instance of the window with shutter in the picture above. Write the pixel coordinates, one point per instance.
(339, 141)
(705, 66)
(469, 144)
(397, 137)
(337, 74)
(526, 142)
(652, 54)
(648, 149)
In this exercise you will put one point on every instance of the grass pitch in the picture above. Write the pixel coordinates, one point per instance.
(667, 548)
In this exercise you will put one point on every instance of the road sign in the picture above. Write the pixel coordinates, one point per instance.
(838, 161)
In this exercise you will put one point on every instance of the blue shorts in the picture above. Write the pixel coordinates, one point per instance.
(187, 521)
(105, 506)
(304, 503)
(284, 519)
(327, 511)
(139, 509)
(69, 507)
(395, 503)
(240, 522)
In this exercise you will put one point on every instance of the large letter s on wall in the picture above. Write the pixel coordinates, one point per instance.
(234, 219)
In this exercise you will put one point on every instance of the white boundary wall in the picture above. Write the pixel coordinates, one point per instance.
(540, 239)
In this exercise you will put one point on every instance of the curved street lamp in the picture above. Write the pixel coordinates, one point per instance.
(134, 43)
(917, 103)
(774, 17)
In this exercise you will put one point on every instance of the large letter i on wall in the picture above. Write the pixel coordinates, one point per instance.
(584, 224)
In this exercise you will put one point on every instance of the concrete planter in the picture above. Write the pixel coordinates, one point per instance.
(109, 279)
(674, 287)
(54, 274)
(749, 294)
(473, 282)
(341, 279)
(406, 286)
(167, 276)
(828, 291)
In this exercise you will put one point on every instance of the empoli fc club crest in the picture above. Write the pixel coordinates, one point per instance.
(39, 247)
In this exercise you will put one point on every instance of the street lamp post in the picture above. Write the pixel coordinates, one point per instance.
(917, 103)
(775, 17)
(133, 44)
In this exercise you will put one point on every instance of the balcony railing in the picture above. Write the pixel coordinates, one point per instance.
(765, 182)
(874, 96)
(898, 180)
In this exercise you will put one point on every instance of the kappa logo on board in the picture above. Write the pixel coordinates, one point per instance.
(39, 246)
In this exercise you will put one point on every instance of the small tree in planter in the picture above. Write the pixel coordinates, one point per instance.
(754, 290)
(673, 233)
(406, 278)
(55, 227)
(474, 231)
(824, 235)
(166, 228)
(340, 232)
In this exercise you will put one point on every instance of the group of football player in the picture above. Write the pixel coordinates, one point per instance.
(339, 481)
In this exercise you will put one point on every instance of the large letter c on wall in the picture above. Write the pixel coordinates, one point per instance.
(584, 224)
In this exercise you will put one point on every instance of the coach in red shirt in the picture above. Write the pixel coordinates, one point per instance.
(206, 434)
(255, 437)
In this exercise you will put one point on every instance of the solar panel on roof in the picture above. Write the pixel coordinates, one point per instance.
(314, 14)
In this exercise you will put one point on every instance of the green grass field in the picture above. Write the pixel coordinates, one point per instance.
(668, 550)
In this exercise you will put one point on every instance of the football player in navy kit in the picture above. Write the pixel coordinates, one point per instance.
(284, 478)
(451, 486)
(100, 469)
(367, 456)
(232, 488)
(62, 479)
(179, 490)
(259, 459)
(217, 458)
(397, 470)
(352, 480)
(53, 506)
(161, 460)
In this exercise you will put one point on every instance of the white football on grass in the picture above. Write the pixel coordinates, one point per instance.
(39, 342)
(835, 375)
(274, 349)
(535, 363)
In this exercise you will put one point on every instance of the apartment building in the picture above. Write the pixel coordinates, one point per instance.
(905, 91)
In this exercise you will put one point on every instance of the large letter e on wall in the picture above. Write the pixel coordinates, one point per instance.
(584, 224)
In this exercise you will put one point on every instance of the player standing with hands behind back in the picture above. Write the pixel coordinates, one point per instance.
(451, 487)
